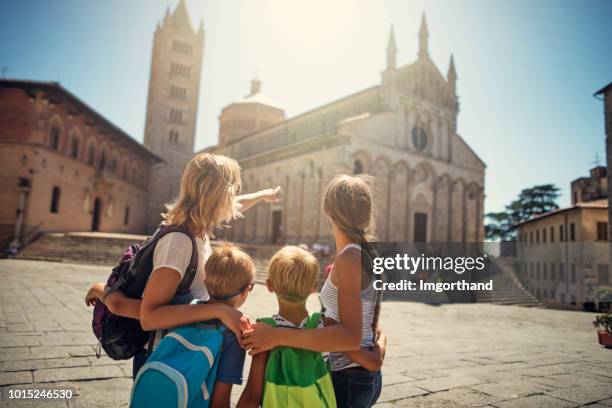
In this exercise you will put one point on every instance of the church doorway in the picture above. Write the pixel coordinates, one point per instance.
(277, 225)
(97, 209)
(420, 227)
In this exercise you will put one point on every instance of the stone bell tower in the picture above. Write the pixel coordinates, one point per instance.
(172, 103)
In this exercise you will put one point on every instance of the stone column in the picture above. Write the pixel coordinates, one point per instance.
(300, 231)
(409, 180)
(464, 215)
(319, 174)
(449, 231)
(434, 218)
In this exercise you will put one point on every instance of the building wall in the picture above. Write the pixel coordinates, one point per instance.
(563, 270)
(405, 183)
(117, 174)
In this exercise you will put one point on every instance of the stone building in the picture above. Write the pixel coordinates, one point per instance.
(594, 187)
(605, 94)
(172, 104)
(563, 254)
(65, 167)
(403, 131)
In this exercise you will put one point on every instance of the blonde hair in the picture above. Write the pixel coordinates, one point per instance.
(228, 269)
(349, 205)
(293, 273)
(208, 191)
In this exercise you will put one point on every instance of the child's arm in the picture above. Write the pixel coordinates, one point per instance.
(221, 395)
(95, 293)
(116, 302)
(370, 359)
(253, 391)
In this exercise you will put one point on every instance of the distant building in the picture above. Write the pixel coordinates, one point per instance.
(172, 104)
(65, 167)
(403, 131)
(563, 254)
(606, 94)
(591, 188)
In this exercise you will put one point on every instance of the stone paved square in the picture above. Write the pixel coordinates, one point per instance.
(444, 356)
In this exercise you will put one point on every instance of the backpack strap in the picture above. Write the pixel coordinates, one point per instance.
(313, 321)
(267, 320)
(192, 268)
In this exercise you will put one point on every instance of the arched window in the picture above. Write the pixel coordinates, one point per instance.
(419, 138)
(55, 198)
(91, 155)
(54, 137)
(173, 136)
(102, 162)
(358, 169)
(113, 165)
(74, 147)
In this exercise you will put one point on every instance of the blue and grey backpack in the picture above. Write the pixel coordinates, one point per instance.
(182, 370)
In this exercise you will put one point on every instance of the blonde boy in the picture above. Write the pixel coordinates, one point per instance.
(292, 277)
(230, 275)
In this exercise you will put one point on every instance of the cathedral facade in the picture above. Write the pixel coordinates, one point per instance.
(429, 183)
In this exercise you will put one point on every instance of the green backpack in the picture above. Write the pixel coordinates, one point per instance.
(296, 377)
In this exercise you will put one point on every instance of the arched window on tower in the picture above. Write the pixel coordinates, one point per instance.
(55, 198)
(358, 167)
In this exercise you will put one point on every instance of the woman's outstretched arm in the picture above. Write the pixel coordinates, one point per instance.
(345, 336)
(156, 313)
(246, 201)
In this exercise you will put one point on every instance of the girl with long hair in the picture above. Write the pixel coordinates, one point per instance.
(348, 297)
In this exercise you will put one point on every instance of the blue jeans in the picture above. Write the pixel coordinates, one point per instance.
(356, 387)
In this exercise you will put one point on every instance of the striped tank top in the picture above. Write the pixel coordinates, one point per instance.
(329, 299)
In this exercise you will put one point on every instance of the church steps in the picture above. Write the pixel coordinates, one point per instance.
(105, 249)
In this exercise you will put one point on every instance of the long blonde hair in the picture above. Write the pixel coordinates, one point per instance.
(208, 193)
(349, 204)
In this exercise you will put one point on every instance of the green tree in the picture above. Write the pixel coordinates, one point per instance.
(529, 203)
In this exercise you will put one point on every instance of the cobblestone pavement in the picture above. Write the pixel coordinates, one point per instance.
(447, 356)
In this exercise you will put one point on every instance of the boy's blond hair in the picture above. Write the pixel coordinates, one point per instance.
(293, 273)
(228, 269)
(208, 193)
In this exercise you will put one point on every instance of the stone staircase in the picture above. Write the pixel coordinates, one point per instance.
(508, 290)
(79, 247)
(106, 248)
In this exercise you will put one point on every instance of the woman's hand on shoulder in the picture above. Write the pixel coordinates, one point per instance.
(261, 337)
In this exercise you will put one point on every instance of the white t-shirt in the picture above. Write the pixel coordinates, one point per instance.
(174, 251)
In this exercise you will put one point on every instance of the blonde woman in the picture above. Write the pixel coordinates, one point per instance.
(208, 197)
(348, 297)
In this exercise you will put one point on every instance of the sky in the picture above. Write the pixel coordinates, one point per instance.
(527, 70)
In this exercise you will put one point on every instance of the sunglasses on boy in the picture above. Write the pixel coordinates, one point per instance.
(239, 291)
